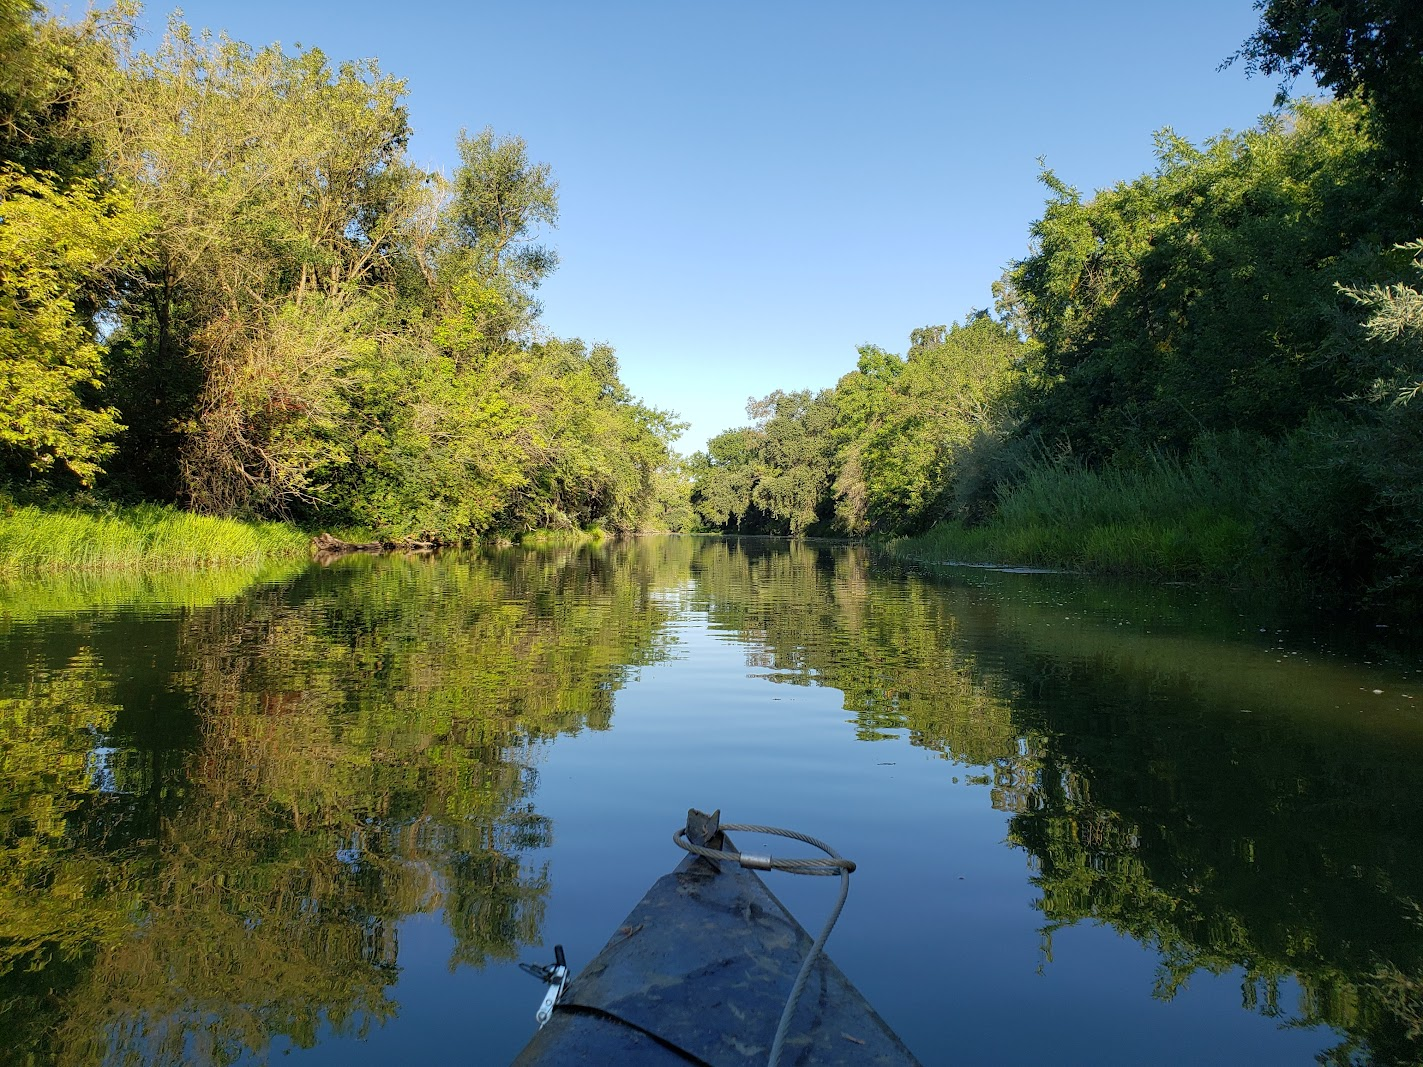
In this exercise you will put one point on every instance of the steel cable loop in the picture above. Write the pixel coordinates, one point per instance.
(835, 864)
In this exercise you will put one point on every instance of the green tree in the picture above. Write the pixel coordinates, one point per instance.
(796, 452)
(905, 428)
(1394, 332)
(722, 478)
(459, 441)
(280, 191)
(60, 251)
(671, 510)
(1381, 451)
(1370, 47)
(322, 328)
(601, 448)
(864, 399)
(43, 66)
(1200, 298)
(773, 476)
(498, 201)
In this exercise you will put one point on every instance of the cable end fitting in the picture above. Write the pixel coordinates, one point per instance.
(753, 862)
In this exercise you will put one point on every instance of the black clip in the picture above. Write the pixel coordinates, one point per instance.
(548, 975)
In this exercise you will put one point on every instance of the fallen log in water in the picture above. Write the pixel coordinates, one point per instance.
(325, 548)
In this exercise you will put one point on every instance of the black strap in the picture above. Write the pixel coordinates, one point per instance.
(585, 1009)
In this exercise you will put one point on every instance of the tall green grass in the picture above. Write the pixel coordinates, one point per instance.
(1192, 518)
(133, 538)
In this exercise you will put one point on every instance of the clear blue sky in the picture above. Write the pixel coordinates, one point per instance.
(748, 191)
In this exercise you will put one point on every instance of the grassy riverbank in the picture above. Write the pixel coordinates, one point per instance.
(153, 538)
(1182, 520)
(1331, 510)
(144, 536)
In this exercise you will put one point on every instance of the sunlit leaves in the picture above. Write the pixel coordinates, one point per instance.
(59, 249)
(1395, 328)
(329, 331)
(773, 476)
(906, 427)
(499, 199)
(882, 452)
(1370, 47)
(1200, 298)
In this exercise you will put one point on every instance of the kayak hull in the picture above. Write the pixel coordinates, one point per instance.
(699, 973)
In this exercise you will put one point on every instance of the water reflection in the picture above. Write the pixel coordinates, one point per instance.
(215, 816)
(1230, 802)
(224, 858)
(1232, 813)
(893, 648)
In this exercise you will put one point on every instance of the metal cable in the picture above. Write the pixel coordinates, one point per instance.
(835, 864)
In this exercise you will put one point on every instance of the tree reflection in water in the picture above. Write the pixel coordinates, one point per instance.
(226, 858)
(214, 818)
(1202, 795)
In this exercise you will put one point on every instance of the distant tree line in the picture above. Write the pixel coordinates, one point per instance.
(898, 444)
(1258, 294)
(223, 283)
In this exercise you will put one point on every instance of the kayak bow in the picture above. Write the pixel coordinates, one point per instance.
(700, 973)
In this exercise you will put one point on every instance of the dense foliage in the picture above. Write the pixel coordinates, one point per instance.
(1206, 370)
(1201, 297)
(896, 445)
(225, 284)
(1370, 47)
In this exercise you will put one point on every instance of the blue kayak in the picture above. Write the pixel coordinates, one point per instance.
(699, 973)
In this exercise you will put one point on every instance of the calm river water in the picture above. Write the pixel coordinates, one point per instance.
(320, 817)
